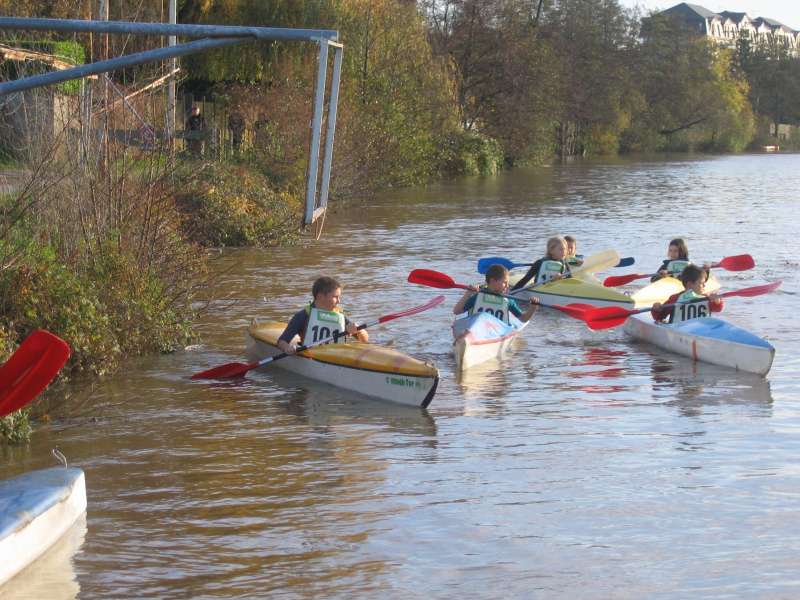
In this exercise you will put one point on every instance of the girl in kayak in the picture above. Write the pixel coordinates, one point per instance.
(549, 268)
(322, 318)
(691, 303)
(676, 261)
(489, 299)
(573, 258)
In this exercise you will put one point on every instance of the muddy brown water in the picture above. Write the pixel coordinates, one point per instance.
(582, 465)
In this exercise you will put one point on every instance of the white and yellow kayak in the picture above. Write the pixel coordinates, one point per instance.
(575, 290)
(368, 369)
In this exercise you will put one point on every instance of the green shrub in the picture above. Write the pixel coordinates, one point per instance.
(471, 153)
(233, 205)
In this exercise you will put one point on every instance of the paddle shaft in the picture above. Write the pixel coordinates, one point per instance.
(239, 369)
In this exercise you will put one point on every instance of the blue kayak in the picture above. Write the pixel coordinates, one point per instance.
(36, 509)
(708, 339)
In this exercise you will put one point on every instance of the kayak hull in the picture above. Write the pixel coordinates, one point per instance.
(482, 337)
(709, 340)
(36, 509)
(574, 290)
(368, 369)
(662, 289)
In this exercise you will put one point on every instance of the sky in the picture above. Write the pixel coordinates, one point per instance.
(785, 11)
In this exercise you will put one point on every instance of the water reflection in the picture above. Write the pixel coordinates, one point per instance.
(52, 575)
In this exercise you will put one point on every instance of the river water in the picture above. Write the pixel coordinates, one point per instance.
(583, 465)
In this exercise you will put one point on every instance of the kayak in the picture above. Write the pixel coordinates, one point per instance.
(662, 289)
(708, 339)
(36, 509)
(573, 290)
(481, 337)
(369, 369)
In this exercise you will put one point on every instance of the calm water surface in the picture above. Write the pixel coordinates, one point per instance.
(583, 465)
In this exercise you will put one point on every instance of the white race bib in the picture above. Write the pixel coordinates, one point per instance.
(491, 304)
(691, 306)
(323, 324)
(548, 270)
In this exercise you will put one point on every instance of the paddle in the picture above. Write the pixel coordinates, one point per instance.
(625, 262)
(443, 281)
(485, 263)
(230, 370)
(740, 262)
(612, 316)
(31, 369)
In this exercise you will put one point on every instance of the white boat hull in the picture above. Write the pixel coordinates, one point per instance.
(36, 509)
(470, 350)
(709, 340)
(409, 390)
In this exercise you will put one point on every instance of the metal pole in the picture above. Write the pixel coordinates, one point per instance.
(171, 96)
(333, 105)
(186, 30)
(316, 130)
(131, 60)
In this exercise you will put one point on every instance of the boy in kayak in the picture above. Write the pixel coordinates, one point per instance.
(321, 319)
(549, 268)
(691, 303)
(573, 258)
(489, 299)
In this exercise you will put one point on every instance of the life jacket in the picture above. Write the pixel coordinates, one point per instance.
(575, 261)
(323, 324)
(548, 269)
(676, 267)
(689, 305)
(492, 304)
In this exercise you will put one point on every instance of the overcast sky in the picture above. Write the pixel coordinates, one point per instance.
(785, 11)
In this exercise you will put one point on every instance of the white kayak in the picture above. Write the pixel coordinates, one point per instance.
(481, 337)
(708, 339)
(368, 369)
(36, 509)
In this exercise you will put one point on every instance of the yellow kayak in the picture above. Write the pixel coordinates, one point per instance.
(368, 369)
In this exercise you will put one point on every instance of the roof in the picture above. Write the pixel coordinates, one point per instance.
(697, 12)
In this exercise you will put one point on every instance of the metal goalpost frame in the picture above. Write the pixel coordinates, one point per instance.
(210, 36)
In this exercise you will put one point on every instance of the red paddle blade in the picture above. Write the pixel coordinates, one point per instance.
(433, 279)
(616, 280)
(412, 311)
(31, 369)
(576, 311)
(756, 290)
(741, 262)
(226, 371)
(607, 317)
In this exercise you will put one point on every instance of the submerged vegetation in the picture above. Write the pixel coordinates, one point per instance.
(102, 239)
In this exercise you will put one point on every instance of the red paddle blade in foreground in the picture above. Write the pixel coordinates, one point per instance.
(31, 369)
(226, 371)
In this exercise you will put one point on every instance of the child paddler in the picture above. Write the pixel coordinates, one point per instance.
(321, 319)
(677, 259)
(549, 268)
(692, 303)
(573, 258)
(488, 299)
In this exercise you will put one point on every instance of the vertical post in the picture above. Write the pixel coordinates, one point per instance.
(333, 105)
(316, 130)
(169, 126)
